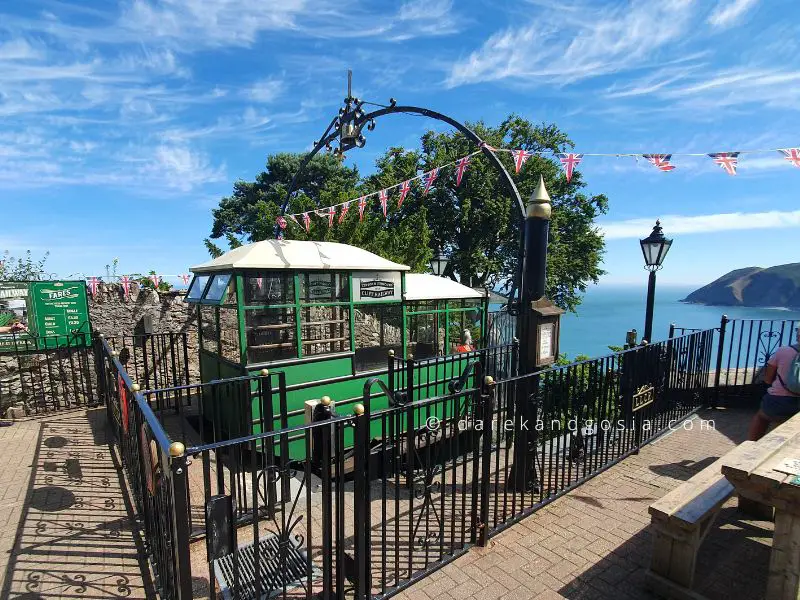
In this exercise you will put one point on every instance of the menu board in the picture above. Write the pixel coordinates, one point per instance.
(57, 310)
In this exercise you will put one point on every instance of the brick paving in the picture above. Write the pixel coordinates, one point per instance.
(594, 542)
(65, 526)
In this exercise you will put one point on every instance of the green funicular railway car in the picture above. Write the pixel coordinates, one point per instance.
(327, 315)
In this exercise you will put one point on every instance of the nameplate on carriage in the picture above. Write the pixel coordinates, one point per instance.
(643, 397)
(377, 286)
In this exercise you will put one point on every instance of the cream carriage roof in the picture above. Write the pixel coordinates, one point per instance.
(299, 255)
(420, 286)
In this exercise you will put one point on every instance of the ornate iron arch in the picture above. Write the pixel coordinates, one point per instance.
(347, 127)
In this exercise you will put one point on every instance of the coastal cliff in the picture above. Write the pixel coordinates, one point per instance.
(753, 286)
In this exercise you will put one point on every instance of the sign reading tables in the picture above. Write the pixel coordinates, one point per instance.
(58, 310)
(376, 286)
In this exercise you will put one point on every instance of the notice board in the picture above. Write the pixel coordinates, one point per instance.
(57, 311)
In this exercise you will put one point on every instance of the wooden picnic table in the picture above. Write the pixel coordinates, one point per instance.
(754, 474)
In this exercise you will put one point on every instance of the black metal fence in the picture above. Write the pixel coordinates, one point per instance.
(47, 374)
(745, 346)
(155, 470)
(366, 503)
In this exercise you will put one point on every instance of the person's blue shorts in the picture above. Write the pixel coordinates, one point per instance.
(780, 407)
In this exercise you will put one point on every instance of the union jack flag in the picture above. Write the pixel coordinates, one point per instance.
(156, 279)
(362, 204)
(185, 279)
(126, 281)
(331, 215)
(306, 221)
(660, 161)
(383, 195)
(343, 212)
(726, 160)
(461, 166)
(293, 218)
(404, 189)
(281, 222)
(792, 155)
(520, 156)
(429, 178)
(93, 283)
(569, 162)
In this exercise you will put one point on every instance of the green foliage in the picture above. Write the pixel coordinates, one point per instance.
(111, 270)
(147, 283)
(22, 268)
(477, 223)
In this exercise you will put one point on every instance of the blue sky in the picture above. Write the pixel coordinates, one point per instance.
(123, 123)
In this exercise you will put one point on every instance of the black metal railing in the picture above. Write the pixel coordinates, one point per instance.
(156, 360)
(47, 374)
(745, 346)
(155, 470)
(369, 502)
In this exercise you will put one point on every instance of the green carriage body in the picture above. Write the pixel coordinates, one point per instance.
(325, 315)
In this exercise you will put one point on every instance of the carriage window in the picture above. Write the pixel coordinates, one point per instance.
(464, 328)
(216, 291)
(324, 287)
(426, 334)
(269, 287)
(325, 329)
(208, 328)
(378, 329)
(271, 334)
(229, 333)
(197, 288)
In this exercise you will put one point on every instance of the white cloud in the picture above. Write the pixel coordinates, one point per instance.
(677, 224)
(265, 90)
(594, 42)
(18, 49)
(728, 12)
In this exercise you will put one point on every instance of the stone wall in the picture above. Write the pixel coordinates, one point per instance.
(53, 380)
(115, 316)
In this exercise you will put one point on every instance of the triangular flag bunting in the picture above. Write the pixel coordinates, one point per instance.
(520, 156)
(792, 155)
(569, 162)
(461, 166)
(727, 160)
(343, 212)
(331, 215)
(429, 178)
(383, 195)
(126, 281)
(93, 283)
(306, 221)
(185, 279)
(281, 222)
(362, 204)
(660, 161)
(156, 279)
(404, 189)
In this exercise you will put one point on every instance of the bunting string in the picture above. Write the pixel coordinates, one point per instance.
(728, 161)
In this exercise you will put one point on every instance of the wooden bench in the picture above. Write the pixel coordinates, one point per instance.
(680, 521)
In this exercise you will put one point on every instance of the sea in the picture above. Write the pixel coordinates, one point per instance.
(609, 311)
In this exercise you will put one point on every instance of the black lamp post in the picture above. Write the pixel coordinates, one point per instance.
(654, 248)
(439, 263)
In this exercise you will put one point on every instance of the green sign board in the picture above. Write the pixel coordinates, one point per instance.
(57, 311)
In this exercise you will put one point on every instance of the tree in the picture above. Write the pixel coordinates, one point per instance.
(477, 222)
(22, 269)
(249, 214)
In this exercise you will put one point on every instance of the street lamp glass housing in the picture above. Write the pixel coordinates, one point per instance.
(439, 263)
(655, 248)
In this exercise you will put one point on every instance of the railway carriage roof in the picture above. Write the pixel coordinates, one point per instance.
(299, 255)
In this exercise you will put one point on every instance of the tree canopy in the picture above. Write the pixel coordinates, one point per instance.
(477, 223)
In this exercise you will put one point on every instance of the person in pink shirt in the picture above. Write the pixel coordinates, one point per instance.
(778, 403)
